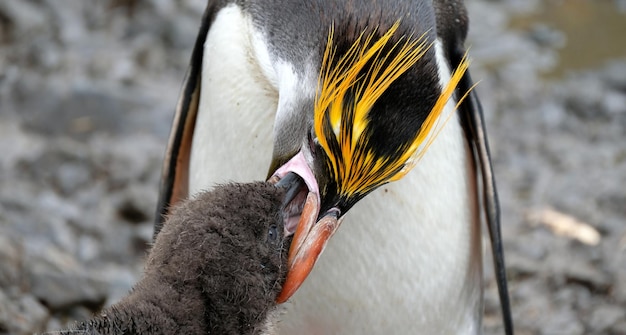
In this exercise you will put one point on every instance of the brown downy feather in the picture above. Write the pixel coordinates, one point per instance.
(215, 268)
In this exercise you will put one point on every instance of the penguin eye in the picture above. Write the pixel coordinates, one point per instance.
(272, 233)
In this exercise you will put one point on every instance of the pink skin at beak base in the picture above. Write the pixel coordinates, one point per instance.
(298, 165)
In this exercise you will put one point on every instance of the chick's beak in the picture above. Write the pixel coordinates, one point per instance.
(311, 230)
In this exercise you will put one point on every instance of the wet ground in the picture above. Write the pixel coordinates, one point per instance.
(87, 93)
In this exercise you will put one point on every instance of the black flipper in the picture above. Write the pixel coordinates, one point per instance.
(175, 174)
(474, 123)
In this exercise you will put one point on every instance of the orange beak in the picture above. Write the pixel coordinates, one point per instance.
(307, 245)
(310, 235)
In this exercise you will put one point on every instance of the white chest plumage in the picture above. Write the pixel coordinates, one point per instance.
(407, 258)
(233, 134)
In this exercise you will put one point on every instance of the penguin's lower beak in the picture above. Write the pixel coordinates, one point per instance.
(302, 211)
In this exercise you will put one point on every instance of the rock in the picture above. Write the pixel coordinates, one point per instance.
(519, 266)
(148, 57)
(588, 276)
(529, 314)
(79, 313)
(620, 327)
(11, 255)
(576, 296)
(553, 114)
(70, 177)
(614, 103)
(44, 227)
(24, 17)
(573, 270)
(117, 243)
(179, 34)
(45, 54)
(83, 126)
(615, 74)
(79, 113)
(120, 280)
(133, 205)
(614, 202)
(604, 317)
(64, 166)
(22, 315)
(60, 283)
(143, 236)
(88, 248)
(60, 291)
(16, 145)
(70, 21)
(619, 290)
(584, 98)
(563, 321)
(547, 36)
(54, 323)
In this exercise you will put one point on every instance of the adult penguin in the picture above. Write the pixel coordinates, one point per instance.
(349, 96)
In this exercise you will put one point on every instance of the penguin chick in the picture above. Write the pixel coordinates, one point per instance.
(215, 268)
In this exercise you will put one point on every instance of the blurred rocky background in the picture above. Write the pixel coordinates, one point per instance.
(87, 93)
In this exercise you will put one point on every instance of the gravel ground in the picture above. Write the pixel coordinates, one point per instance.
(87, 92)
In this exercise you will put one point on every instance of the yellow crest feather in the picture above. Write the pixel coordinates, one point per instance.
(340, 119)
